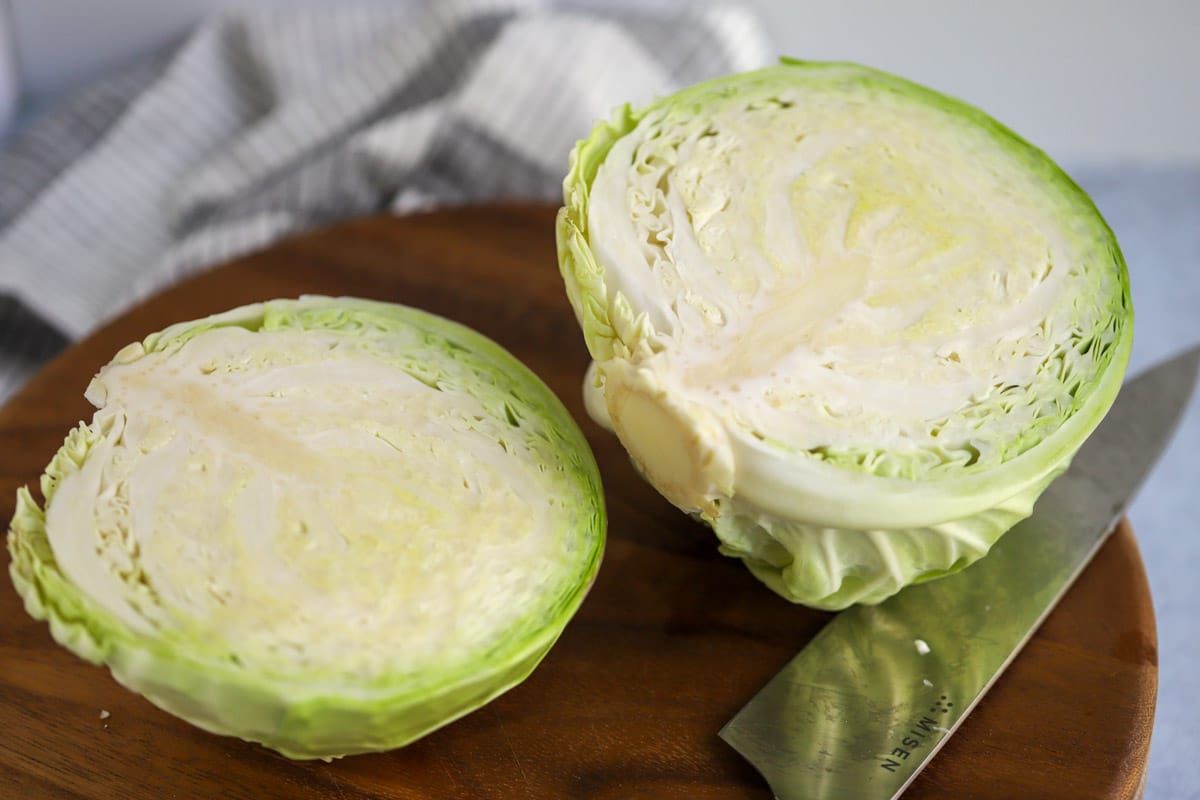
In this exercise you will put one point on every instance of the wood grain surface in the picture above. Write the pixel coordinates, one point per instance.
(671, 642)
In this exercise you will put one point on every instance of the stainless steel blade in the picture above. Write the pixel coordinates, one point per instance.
(869, 701)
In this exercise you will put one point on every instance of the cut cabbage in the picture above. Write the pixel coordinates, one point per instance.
(326, 525)
(852, 324)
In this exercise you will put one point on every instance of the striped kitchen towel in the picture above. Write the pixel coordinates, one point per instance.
(264, 124)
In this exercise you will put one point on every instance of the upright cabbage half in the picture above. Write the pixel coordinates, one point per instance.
(854, 325)
(329, 526)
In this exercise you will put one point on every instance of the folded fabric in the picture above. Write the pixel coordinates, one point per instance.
(264, 124)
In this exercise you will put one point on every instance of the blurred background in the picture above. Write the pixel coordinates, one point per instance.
(1087, 80)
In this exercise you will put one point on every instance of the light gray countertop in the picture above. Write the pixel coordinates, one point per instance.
(1155, 213)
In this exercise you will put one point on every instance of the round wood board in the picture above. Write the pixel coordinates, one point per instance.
(672, 640)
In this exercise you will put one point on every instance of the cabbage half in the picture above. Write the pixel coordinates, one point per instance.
(329, 526)
(854, 325)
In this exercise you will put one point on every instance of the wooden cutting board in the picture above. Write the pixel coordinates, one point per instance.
(671, 642)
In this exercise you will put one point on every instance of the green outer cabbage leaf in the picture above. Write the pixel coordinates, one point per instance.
(190, 680)
(860, 537)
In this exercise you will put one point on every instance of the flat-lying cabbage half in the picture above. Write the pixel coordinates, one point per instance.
(854, 325)
(329, 526)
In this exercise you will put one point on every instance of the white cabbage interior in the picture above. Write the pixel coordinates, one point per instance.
(825, 276)
(295, 499)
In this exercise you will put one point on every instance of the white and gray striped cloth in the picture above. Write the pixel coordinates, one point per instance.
(264, 124)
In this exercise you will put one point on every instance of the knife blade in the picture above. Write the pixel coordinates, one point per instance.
(868, 702)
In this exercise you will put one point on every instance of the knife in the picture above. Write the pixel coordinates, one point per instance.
(870, 700)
